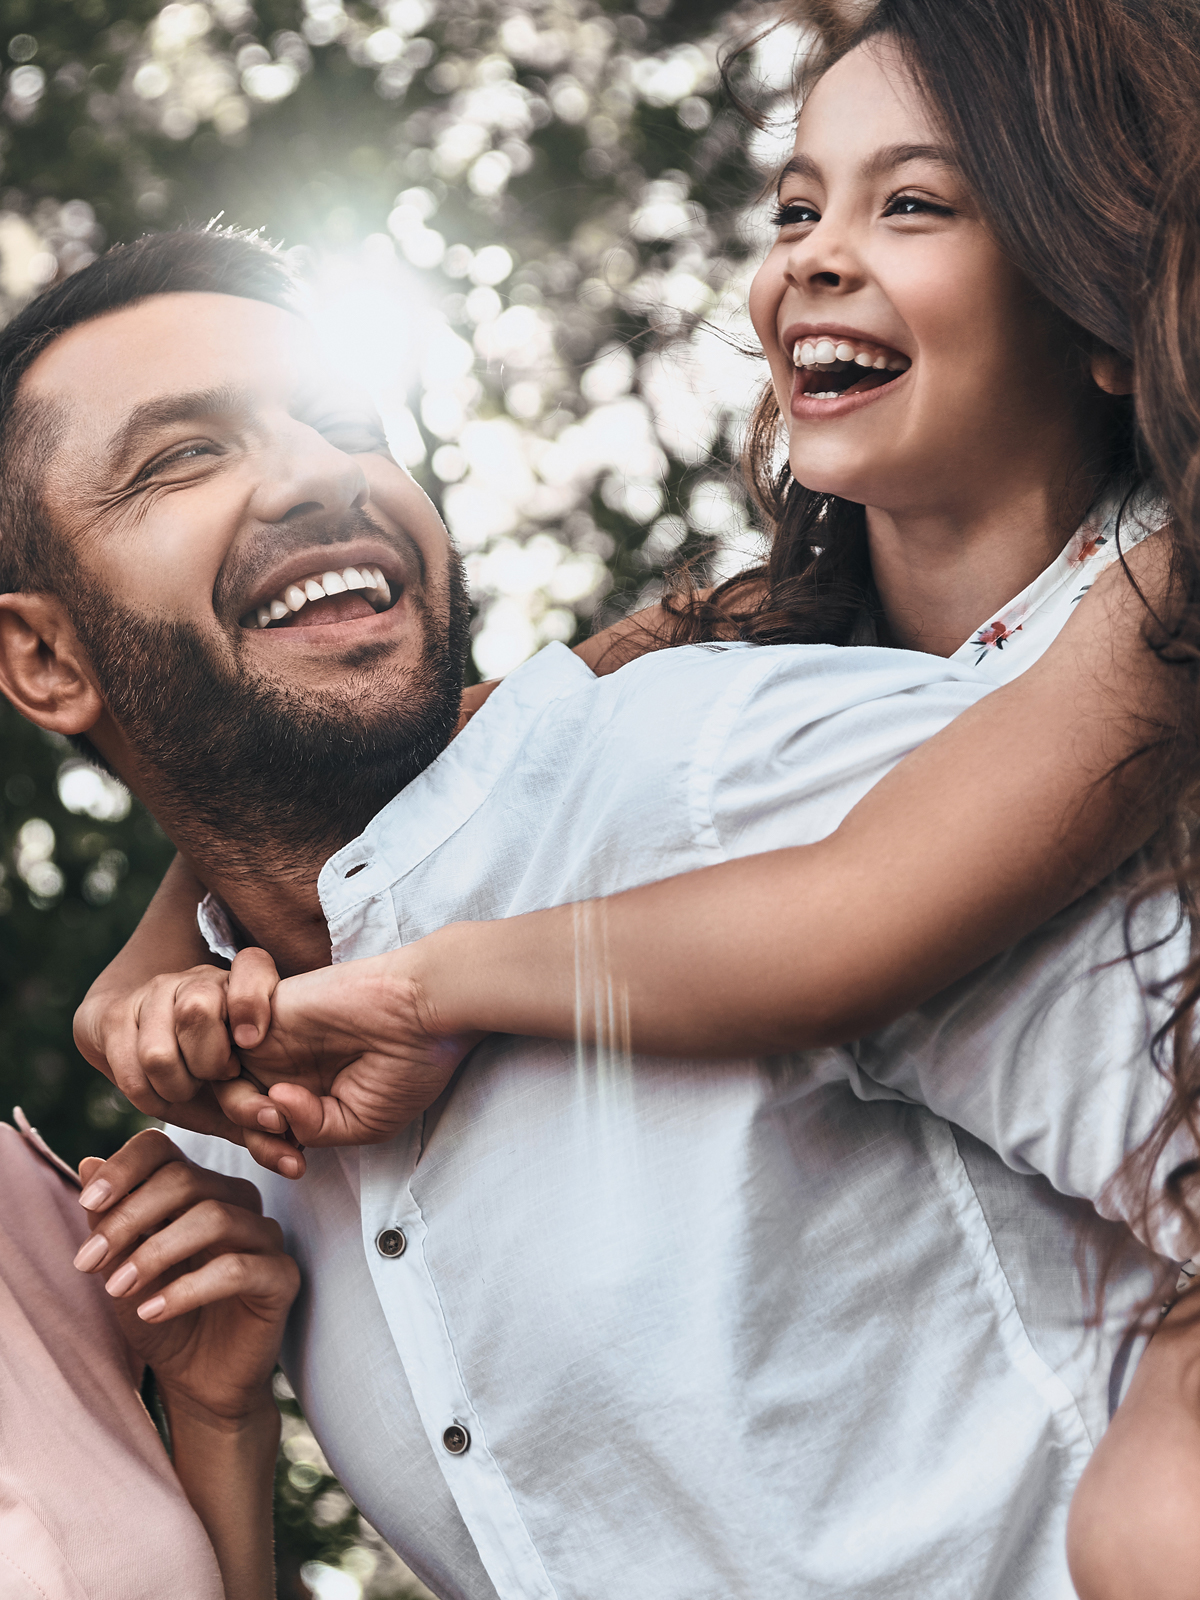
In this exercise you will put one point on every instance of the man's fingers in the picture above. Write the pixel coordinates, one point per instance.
(122, 1066)
(158, 1052)
(201, 1027)
(266, 1284)
(253, 979)
(241, 1104)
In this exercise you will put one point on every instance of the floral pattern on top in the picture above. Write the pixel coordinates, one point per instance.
(1016, 636)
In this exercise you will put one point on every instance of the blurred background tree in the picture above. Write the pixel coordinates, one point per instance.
(529, 228)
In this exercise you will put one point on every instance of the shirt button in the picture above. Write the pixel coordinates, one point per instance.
(390, 1242)
(457, 1440)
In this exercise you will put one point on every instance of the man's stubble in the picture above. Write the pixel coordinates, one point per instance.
(253, 769)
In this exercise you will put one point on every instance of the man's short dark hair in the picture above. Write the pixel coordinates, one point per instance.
(190, 261)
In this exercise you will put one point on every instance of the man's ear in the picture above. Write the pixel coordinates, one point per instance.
(43, 669)
(1112, 371)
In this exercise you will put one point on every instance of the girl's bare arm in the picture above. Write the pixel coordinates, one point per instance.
(975, 839)
(1132, 1526)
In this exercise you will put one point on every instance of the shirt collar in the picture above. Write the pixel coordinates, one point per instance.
(442, 798)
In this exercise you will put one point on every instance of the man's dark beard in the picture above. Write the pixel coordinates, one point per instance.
(256, 765)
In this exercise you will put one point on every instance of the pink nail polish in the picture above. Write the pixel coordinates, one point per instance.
(91, 1253)
(151, 1308)
(122, 1280)
(96, 1194)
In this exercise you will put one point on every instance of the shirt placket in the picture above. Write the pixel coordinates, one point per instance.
(395, 1231)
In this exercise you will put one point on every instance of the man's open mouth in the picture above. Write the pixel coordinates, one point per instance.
(324, 597)
(829, 369)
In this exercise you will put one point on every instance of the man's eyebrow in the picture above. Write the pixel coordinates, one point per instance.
(883, 161)
(144, 421)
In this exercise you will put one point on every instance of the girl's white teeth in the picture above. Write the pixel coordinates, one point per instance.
(825, 353)
(298, 595)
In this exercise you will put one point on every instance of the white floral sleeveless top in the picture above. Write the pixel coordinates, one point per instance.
(1016, 636)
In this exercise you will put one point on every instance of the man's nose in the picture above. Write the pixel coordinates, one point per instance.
(302, 473)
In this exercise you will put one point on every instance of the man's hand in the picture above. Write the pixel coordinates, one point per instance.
(166, 1043)
(199, 1276)
(351, 1057)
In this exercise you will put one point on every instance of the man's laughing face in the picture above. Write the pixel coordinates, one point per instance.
(272, 608)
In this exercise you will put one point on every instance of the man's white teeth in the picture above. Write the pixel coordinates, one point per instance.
(299, 594)
(840, 354)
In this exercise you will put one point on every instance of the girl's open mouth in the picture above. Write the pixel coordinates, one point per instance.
(829, 371)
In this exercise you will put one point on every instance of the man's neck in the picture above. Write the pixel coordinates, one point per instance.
(278, 911)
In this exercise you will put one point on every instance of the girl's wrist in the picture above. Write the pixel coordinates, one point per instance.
(510, 975)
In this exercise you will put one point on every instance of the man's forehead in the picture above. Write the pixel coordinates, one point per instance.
(171, 343)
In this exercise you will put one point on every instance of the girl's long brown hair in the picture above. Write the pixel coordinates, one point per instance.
(1076, 124)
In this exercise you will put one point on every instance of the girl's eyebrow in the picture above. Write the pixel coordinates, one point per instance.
(877, 165)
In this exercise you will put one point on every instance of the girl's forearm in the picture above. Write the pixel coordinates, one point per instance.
(1025, 801)
(227, 1469)
(1132, 1522)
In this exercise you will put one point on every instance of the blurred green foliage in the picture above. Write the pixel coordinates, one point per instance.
(590, 140)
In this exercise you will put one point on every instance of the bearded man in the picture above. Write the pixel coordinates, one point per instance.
(739, 1327)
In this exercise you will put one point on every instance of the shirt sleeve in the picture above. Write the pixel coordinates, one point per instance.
(1045, 1053)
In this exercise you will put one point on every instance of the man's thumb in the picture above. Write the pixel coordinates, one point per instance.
(253, 980)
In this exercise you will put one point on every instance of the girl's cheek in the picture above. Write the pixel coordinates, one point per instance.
(766, 290)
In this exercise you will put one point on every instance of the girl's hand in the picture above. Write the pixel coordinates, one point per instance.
(352, 1055)
(165, 1043)
(199, 1276)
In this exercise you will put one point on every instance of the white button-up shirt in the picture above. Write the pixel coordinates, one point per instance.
(747, 1328)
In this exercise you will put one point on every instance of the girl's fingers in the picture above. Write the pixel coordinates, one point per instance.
(266, 1284)
(253, 979)
(304, 1111)
(210, 1224)
(266, 1140)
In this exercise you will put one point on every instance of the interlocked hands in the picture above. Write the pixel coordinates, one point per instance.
(344, 1055)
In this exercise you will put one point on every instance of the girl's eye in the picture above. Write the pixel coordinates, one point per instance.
(912, 205)
(787, 216)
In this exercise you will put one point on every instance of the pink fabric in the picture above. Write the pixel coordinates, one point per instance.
(90, 1508)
